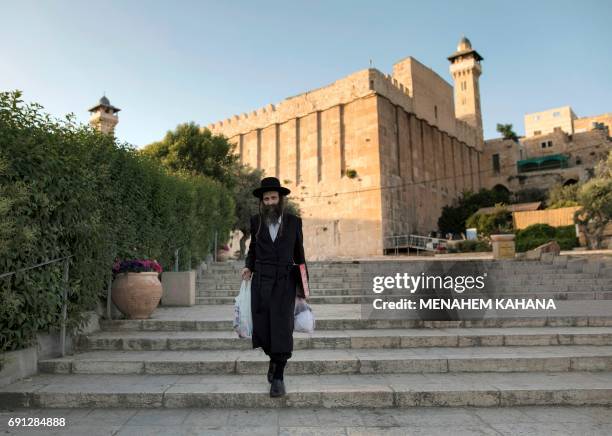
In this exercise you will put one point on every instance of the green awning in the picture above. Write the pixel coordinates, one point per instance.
(542, 162)
(539, 160)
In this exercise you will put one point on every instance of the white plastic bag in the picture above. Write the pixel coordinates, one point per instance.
(243, 319)
(304, 320)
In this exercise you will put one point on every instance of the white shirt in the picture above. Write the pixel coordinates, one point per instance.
(273, 228)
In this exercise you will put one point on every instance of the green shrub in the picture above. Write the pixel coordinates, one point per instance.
(499, 221)
(562, 196)
(351, 173)
(453, 217)
(538, 234)
(469, 246)
(67, 189)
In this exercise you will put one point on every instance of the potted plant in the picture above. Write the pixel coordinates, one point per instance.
(136, 288)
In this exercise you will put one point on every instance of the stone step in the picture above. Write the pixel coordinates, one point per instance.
(416, 268)
(352, 323)
(602, 283)
(334, 263)
(351, 361)
(355, 275)
(333, 268)
(234, 283)
(333, 276)
(364, 299)
(319, 292)
(419, 263)
(235, 292)
(329, 391)
(541, 275)
(236, 286)
(343, 339)
(336, 277)
(543, 278)
(519, 292)
(540, 287)
(220, 282)
(334, 299)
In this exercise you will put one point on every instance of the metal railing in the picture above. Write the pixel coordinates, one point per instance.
(417, 242)
(65, 277)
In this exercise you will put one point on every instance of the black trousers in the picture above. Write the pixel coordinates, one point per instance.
(278, 357)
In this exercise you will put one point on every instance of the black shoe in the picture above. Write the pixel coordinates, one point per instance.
(278, 388)
(271, 371)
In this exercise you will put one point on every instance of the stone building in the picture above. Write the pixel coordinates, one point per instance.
(564, 118)
(371, 155)
(104, 116)
(558, 148)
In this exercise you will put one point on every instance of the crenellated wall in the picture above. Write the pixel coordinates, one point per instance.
(358, 85)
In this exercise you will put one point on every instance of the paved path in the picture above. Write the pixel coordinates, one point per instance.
(540, 421)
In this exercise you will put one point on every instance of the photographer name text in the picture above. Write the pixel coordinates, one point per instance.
(466, 304)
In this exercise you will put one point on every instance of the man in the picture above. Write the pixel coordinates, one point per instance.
(275, 249)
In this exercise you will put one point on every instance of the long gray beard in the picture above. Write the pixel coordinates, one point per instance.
(271, 213)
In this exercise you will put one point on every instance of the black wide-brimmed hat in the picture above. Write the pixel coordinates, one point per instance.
(270, 184)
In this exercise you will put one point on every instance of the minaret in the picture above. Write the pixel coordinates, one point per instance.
(466, 69)
(104, 116)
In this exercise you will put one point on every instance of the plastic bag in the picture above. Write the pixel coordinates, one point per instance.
(243, 319)
(304, 320)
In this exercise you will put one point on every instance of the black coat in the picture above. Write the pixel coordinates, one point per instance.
(273, 285)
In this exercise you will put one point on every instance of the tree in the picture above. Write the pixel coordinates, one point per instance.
(595, 197)
(454, 216)
(246, 205)
(528, 195)
(196, 150)
(507, 132)
(495, 222)
(604, 168)
(562, 196)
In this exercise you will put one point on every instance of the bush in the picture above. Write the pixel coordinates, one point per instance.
(562, 196)
(453, 217)
(67, 189)
(499, 221)
(469, 246)
(538, 234)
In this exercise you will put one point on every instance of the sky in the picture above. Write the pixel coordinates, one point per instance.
(169, 62)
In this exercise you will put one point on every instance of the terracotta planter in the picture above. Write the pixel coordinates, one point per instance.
(136, 295)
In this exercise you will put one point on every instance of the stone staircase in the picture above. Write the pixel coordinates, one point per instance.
(189, 357)
(130, 365)
(564, 278)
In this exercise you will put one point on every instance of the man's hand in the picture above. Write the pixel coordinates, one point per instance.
(246, 274)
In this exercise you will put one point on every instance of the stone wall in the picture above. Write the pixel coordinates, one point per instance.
(423, 169)
(542, 123)
(509, 153)
(432, 91)
(584, 124)
(584, 150)
(371, 124)
(310, 155)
